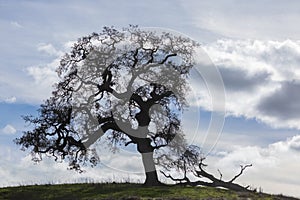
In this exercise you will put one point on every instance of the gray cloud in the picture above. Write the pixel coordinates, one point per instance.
(258, 77)
(295, 144)
(239, 80)
(283, 103)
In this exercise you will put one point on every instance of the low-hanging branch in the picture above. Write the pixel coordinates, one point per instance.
(215, 182)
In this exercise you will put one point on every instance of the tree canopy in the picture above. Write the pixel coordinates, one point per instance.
(127, 87)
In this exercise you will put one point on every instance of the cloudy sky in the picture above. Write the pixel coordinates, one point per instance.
(255, 46)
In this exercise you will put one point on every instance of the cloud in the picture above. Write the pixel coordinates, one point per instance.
(282, 103)
(261, 79)
(44, 76)
(16, 24)
(17, 168)
(49, 49)
(12, 99)
(277, 161)
(239, 80)
(9, 130)
(255, 20)
(33, 83)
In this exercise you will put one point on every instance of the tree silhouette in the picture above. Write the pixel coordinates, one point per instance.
(127, 87)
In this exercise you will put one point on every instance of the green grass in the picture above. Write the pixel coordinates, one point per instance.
(123, 191)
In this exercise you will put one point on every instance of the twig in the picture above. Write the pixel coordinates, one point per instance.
(241, 172)
(221, 175)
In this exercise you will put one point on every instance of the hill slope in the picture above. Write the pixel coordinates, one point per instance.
(124, 191)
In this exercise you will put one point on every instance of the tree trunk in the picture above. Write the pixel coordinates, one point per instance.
(145, 148)
(150, 170)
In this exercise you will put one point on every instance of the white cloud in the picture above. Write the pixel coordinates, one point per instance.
(274, 167)
(17, 168)
(11, 100)
(49, 49)
(9, 129)
(31, 83)
(44, 76)
(252, 19)
(16, 24)
(259, 76)
(112, 161)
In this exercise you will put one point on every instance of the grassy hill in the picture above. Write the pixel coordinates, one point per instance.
(124, 191)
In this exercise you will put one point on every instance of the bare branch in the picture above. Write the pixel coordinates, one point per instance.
(130, 142)
(241, 172)
(221, 175)
(215, 182)
(168, 56)
(181, 180)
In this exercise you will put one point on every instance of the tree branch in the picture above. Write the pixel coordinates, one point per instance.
(130, 142)
(186, 179)
(201, 173)
(166, 58)
(241, 172)
(221, 175)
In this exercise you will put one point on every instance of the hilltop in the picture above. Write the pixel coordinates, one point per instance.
(126, 191)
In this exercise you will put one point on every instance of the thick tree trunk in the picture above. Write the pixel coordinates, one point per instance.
(145, 148)
(150, 170)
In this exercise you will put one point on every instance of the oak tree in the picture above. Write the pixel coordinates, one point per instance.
(127, 87)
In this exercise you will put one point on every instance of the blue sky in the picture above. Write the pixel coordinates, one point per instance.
(254, 44)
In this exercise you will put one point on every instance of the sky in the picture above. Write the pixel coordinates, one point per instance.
(254, 45)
